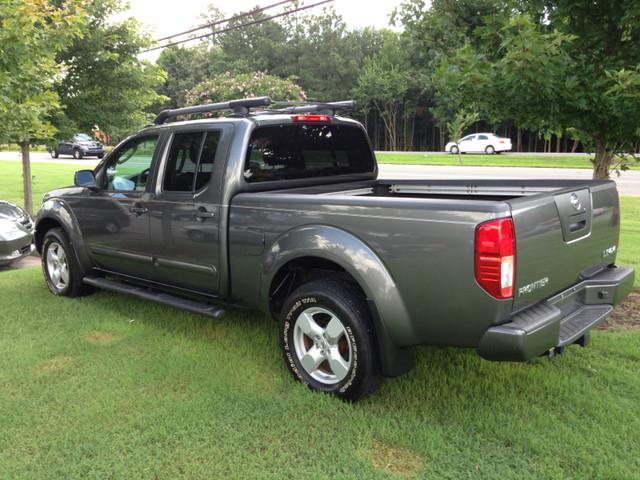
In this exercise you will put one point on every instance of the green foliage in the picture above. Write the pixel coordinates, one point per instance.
(318, 51)
(384, 82)
(105, 84)
(32, 33)
(557, 65)
(228, 87)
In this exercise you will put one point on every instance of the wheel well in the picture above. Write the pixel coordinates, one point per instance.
(42, 228)
(300, 271)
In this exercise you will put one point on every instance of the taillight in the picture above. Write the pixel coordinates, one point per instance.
(312, 118)
(495, 257)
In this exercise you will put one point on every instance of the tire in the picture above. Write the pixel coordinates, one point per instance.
(77, 154)
(61, 269)
(489, 150)
(454, 150)
(328, 341)
(54, 153)
(100, 155)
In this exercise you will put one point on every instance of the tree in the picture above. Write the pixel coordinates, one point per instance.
(558, 65)
(32, 33)
(602, 67)
(228, 87)
(383, 84)
(461, 121)
(105, 84)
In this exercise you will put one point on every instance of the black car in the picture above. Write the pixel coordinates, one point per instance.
(81, 145)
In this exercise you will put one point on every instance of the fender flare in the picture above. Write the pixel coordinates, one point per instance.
(57, 210)
(390, 316)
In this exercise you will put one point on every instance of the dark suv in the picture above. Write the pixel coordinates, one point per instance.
(81, 145)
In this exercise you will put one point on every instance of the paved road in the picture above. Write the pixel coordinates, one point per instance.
(628, 182)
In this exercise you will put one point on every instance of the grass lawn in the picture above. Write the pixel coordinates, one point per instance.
(502, 160)
(107, 386)
(44, 177)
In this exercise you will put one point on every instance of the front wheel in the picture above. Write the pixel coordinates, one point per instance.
(490, 150)
(61, 269)
(328, 340)
(454, 149)
(77, 154)
(54, 153)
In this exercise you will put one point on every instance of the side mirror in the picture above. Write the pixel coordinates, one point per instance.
(85, 178)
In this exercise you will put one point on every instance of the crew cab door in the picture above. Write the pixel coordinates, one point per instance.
(185, 211)
(114, 220)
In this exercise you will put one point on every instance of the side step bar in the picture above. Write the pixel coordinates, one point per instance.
(160, 297)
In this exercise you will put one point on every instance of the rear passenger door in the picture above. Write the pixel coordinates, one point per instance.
(185, 212)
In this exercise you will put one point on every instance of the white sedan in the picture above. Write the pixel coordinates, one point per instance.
(480, 143)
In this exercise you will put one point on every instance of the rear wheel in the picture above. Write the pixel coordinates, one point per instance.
(328, 341)
(490, 150)
(61, 269)
(54, 153)
(77, 154)
(454, 149)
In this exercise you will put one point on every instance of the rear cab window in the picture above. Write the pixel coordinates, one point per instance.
(190, 160)
(292, 151)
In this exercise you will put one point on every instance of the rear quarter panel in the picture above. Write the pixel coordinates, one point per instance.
(425, 244)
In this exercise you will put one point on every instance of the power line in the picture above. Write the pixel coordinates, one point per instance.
(236, 27)
(225, 20)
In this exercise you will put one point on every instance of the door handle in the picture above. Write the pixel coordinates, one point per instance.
(138, 210)
(202, 214)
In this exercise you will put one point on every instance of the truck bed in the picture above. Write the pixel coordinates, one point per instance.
(423, 230)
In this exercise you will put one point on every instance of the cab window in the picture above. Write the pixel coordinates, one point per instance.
(468, 138)
(128, 169)
(190, 161)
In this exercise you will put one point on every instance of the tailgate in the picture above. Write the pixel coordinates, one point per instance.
(563, 236)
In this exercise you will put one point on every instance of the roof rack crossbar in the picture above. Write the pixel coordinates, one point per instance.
(326, 108)
(240, 107)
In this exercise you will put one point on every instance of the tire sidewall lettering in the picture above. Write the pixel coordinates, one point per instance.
(290, 354)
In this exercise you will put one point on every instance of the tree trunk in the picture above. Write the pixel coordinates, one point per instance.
(558, 139)
(603, 160)
(519, 141)
(26, 177)
(575, 146)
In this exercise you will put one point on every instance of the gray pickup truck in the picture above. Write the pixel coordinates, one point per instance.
(281, 210)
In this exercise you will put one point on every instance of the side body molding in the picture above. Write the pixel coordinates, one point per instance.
(389, 312)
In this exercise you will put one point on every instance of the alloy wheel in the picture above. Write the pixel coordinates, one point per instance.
(57, 266)
(322, 345)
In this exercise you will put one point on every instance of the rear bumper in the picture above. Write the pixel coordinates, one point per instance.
(560, 320)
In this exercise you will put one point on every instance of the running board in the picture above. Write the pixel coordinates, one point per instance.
(160, 297)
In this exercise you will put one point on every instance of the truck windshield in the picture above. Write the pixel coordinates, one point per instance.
(282, 152)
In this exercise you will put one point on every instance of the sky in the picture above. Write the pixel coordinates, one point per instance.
(164, 17)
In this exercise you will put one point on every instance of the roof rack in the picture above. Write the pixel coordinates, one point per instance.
(239, 107)
(329, 108)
